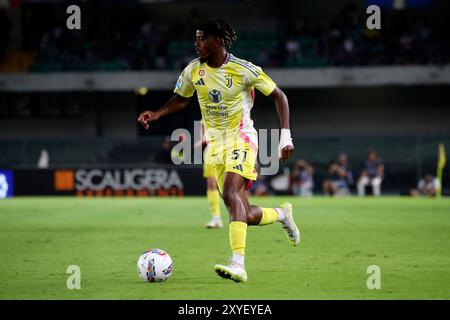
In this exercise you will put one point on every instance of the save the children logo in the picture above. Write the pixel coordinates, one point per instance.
(215, 96)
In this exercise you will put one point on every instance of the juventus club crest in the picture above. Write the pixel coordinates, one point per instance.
(229, 79)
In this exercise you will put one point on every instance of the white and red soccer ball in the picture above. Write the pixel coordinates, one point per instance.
(154, 265)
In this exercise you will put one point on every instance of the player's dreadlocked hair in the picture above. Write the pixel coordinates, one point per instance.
(220, 29)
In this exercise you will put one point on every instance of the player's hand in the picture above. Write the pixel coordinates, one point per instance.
(286, 152)
(286, 147)
(146, 117)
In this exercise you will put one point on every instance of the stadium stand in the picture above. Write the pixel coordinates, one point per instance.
(340, 40)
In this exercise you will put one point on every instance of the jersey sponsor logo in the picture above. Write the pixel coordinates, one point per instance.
(201, 73)
(229, 79)
(200, 82)
(215, 96)
(216, 111)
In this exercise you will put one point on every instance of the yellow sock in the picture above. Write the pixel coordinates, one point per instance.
(238, 234)
(214, 202)
(269, 215)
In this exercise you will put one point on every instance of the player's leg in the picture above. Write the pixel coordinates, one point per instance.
(258, 216)
(232, 188)
(232, 179)
(254, 213)
(213, 196)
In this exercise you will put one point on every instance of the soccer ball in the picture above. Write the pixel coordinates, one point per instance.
(154, 265)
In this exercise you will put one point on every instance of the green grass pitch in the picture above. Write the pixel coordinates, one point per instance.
(409, 239)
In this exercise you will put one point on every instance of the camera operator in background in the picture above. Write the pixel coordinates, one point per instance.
(427, 186)
(340, 177)
(372, 175)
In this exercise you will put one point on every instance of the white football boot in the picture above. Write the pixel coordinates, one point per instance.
(234, 271)
(292, 232)
(214, 223)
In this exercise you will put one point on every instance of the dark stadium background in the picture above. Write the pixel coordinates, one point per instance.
(77, 94)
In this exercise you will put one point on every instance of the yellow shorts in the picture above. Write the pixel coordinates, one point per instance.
(239, 158)
(208, 170)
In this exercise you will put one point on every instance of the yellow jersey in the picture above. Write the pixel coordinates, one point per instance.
(225, 96)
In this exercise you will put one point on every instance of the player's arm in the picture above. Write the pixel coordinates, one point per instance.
(175, 104)
(282, 104)
(184, 89)
(263, 83)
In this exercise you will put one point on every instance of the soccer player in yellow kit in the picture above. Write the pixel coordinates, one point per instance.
(224, 83)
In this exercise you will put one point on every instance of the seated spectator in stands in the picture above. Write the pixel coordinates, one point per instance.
(260, 186)
(427, 186)
(340, 177)
(302, 182)
(372, 175)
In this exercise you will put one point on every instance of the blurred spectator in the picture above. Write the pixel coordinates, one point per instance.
(44, 160)
(260, 186)
(336, 40)
(340, 177)
(372, 175)
(302, 182)
(427, 186)
(293, 49)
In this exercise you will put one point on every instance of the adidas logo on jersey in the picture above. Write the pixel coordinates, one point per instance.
(238, 167)
(200, 82)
